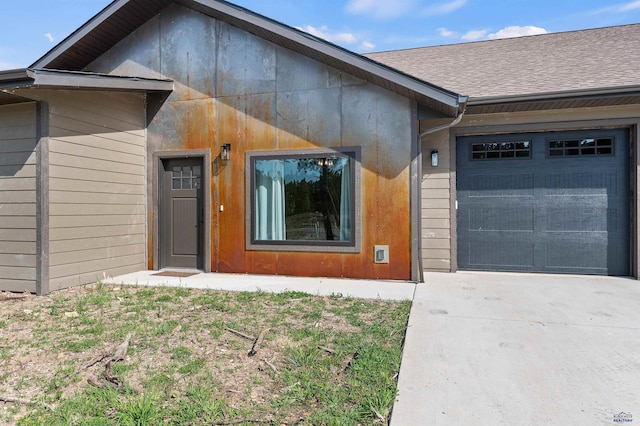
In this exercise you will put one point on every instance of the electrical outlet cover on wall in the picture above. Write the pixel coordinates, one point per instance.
(381, 254)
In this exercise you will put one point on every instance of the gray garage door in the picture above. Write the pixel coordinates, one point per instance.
(544, 202)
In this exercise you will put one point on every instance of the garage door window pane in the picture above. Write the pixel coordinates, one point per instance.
(579, 147)
(501, 150)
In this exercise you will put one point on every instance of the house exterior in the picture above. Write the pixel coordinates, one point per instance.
(541, 173)
(199, 135)
(195, 134)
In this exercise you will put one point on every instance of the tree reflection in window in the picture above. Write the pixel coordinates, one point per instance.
(303, 199)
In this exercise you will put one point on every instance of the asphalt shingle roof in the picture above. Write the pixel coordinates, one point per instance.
(577, 60)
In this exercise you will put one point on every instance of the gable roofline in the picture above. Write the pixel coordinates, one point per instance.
(122, 17)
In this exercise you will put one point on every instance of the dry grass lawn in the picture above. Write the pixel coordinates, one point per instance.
(318, 360)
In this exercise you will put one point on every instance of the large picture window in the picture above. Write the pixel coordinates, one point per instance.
(303, 199)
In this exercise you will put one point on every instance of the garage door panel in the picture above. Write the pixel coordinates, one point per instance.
(545, 213)
(582, 183)
(577, 258)
(512, 255)
(588, 220)
(496, 219)
(501, 185)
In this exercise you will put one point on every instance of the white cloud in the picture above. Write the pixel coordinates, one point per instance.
(405, 40)
(629, 6)
(338, 37)
(49, 37)
(444, 8)
(517, 31)
(507, 32)
(333, 37)
(474, 35)
(382, 9)
(366, 46)
(4, 65)
(446, 33)
(618, 8)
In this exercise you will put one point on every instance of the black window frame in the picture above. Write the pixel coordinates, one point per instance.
(503, 152)
(353, 245)
(567, 151)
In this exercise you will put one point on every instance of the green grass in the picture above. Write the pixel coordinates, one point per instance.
(184, 367)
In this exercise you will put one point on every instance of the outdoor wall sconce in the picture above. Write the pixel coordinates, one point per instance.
(225, 152)
(434, 158)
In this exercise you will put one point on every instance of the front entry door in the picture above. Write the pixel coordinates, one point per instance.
(181, 213)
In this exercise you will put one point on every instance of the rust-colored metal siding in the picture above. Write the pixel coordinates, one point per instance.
(234, 87)
(18, 197)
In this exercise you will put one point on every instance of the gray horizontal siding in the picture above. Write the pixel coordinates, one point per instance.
(436, 204)
(97, 187)
(18, 197)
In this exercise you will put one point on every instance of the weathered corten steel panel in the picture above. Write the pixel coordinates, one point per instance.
(379, 122)
(244, 66)
(247, 123)
(234, 87)
(187, 49)
(309, 118)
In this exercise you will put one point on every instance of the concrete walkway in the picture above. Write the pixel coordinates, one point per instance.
(520, 349)
(363, 289)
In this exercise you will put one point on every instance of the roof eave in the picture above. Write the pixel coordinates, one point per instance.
(35, 78)
(15, 75)
(615, 91)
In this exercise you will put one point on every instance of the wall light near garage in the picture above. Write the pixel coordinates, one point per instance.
(434, 158)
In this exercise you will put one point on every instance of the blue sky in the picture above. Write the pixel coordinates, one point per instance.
(30, 28)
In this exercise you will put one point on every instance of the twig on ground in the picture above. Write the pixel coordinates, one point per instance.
(271, 366)
(120, 353)
(96, 361)
(112, 380)
(13, 399)
(346, 364)
(121, 350)
(401, 330)
(238, 422)
(94, 383)
(7, 296)
(324, 348)
(238, 333)
(288, 388)
(381, 417)
(257, 343)
(88, 365)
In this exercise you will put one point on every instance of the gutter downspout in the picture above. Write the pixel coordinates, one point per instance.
(458, 119)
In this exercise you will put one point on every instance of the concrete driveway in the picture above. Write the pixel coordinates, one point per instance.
(521, 349)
